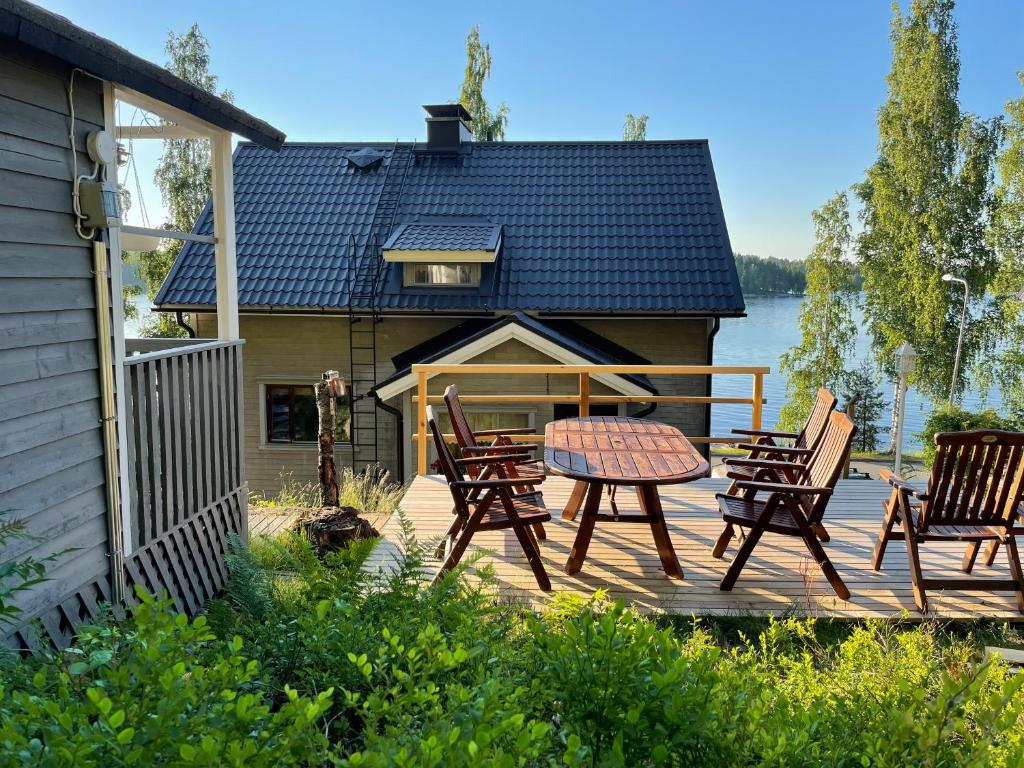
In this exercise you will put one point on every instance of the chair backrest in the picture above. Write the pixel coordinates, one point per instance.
(825, 465)
(449, 467)
(817, 419)
(460, 424)
(977, 479)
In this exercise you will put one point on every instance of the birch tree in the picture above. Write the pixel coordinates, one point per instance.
(828, 331)
(184, 173)
(926, 203)
(487, 125)
(635, 128)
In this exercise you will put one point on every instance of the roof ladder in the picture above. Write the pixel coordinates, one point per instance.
(364, 311)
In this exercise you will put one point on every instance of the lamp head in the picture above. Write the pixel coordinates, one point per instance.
(947, 277)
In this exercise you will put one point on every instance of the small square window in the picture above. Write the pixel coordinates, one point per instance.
(291, 414)
(441, 275)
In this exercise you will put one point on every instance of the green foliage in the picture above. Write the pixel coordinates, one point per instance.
(184, 173)
(635, 128)
(828, 332)
(952, 418)
(160, 690)
(1003, 356)
(927, 202)
(487, 125)
(767, 274)
(19, 574)
(862, 383)
(324, 663)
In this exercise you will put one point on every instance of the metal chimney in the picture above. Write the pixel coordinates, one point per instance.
(447, 127)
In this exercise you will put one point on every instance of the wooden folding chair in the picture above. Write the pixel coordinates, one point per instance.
(766, 445)
(973, 495)
(470, 446)
(797, 497)
(498, 507)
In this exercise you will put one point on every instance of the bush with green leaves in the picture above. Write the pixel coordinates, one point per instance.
(952, 418)
(160, 690)
(311, 662)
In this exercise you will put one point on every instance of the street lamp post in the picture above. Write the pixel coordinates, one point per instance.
(906, 364)
(960, 339)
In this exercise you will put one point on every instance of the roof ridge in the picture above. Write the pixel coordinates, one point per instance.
(530, 142)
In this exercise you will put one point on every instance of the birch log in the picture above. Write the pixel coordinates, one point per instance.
(327, 413)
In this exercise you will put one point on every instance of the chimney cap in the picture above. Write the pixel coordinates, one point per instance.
(448, 110)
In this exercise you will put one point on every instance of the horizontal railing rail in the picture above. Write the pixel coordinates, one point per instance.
(584, 373)
(184, 433)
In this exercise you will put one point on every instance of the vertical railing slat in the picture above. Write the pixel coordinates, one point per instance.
(421, 424)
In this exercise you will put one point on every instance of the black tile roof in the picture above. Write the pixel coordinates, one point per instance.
(55, 35)
(444, 236)
(587, 227)
(565, 334)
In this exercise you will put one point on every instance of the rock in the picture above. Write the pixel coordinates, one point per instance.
(333, 528)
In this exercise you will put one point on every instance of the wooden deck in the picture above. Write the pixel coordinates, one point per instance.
(780, 577)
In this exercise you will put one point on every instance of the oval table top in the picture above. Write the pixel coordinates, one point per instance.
(619, 450)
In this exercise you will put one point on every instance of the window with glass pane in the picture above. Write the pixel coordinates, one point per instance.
(427, 275)
(292, 417)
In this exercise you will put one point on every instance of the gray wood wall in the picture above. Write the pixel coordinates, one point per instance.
(51, 447)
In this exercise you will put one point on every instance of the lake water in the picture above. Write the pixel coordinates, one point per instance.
(772, 327)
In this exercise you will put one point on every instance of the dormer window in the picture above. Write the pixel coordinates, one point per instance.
(443, 252)
(418, 275)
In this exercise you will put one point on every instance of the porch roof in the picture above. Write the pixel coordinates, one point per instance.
(469, 339)
(57, 36)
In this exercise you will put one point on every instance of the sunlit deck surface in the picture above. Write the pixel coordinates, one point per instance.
(780, 577)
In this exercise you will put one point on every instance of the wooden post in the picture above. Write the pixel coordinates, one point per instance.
(327, 412)
(421, 425)
(758, 397)
(224, 230)
(584, 394)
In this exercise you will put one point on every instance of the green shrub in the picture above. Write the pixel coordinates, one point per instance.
(309, 662)
(161, 690)
(952, 418)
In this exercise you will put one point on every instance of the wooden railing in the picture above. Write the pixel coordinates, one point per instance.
(184, 434)
(583, 374)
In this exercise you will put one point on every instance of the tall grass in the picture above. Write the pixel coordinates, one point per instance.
(371, 490)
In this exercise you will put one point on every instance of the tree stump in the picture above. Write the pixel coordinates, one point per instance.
(335, 528)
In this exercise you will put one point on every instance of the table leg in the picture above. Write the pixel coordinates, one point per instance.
(651, 504)
(586, 529)
(579, 492)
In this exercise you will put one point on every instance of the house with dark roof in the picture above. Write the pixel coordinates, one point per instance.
(368, 258)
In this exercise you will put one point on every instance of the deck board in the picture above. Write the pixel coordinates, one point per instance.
(780, 577)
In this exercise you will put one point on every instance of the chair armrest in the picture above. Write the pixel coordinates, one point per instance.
(898, 482)
(784, 488)
(766, 433)
(505, 459)
(498, 449)
(764, 464)
(765, 448)
(503, 482)
(502, 432)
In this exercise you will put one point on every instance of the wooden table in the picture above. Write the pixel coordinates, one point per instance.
(615, 450)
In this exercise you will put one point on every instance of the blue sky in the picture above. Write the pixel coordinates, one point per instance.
(786, 91)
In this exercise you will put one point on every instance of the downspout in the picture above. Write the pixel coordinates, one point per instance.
(108, 413)
(179, 318)
(706, 450)
(400, 428)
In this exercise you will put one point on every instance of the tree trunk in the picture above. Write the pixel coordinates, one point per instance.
(327, 412)
(896, 406)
